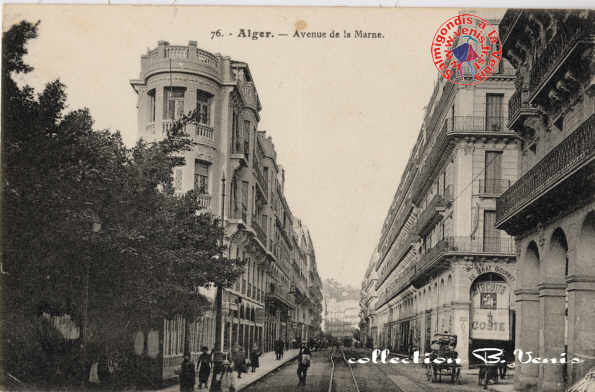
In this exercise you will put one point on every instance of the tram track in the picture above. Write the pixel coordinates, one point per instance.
(370, 382)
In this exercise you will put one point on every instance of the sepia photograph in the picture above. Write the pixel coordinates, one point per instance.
(309, 199)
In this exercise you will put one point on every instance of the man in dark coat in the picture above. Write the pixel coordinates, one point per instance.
(187, 375)
(304, 358)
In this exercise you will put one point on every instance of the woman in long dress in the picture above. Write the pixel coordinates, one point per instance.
(204, 367)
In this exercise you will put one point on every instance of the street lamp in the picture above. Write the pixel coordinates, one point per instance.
(95, 228)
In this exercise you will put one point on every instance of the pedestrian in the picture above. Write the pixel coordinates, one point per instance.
(187, 375)
(239, 360)
(254, 354)
(304, 358)
(204, 367)
(227, 382)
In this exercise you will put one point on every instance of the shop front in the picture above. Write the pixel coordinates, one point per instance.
(492, 316)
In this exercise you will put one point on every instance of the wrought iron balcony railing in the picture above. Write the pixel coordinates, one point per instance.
(491, 186)
(476, 124)
(261, 179)
(450, 245)
(549, 58)
(260, 233)
(573, 152)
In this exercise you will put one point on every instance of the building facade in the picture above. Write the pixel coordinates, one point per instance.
(234, 172)
(550, 210)
(443, 266)
(367, 303)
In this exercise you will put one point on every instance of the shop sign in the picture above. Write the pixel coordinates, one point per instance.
(490, 313)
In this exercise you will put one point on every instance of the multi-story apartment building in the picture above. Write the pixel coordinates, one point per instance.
(550, 210)
(367, 303)
(234, 171)
(443, 266)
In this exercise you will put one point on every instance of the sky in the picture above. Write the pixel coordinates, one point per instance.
(343, 113)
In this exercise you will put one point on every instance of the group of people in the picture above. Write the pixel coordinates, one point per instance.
(222, 369)
(279, 347)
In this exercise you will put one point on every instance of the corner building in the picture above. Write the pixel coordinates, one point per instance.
(550, 210)
(233, 169)
(443, 266)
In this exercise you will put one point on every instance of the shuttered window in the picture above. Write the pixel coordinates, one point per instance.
(493, 172)
(494, 117)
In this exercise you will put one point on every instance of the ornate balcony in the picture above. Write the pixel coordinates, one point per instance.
(261, 180)
(552, 56)
(249, 94)
(204, 201)
(260, 232)
(431, 215)
(561, 177)
(519, 110)
(490, 187)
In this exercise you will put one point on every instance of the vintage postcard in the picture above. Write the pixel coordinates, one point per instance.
(297, 198)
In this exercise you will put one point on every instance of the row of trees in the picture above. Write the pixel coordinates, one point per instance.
(91, 228)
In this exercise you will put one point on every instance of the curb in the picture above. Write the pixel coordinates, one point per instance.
(265, 374)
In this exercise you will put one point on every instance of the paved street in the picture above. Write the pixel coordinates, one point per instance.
(369, 378)
(285, 378)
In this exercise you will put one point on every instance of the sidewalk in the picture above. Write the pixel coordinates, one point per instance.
(506, 385)
(268, 363)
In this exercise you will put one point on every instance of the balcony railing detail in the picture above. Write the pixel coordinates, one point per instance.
(261, 180)
(204, 201)
(204, 131)
(449, 245)
(577, 149)
(491, 186)
(260, 233)
(514, 107)
(549, 57)
(427, 219)
(166, 125)
(476, 124)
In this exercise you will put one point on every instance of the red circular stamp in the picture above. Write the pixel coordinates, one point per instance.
(466, 49)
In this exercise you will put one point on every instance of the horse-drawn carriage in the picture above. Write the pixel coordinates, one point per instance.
(443, 359)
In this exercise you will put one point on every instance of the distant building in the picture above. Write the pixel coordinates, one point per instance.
(551, 208)
(367, 304)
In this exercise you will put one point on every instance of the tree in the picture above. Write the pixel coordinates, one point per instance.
(60, 177)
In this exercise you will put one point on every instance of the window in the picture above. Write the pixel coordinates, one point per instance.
(494, 119)
(174, 103)
(236, 142)
(201, 177)
(491, 235)
(203, 107)
(246, 137)
(151, 95)
(493, 168)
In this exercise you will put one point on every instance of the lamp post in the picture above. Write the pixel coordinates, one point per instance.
(95, 228)
(219, 296)
(218, 355)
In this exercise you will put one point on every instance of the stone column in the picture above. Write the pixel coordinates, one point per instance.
(581, 322)
(527, 337)
(551, 334)
(461, 315)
